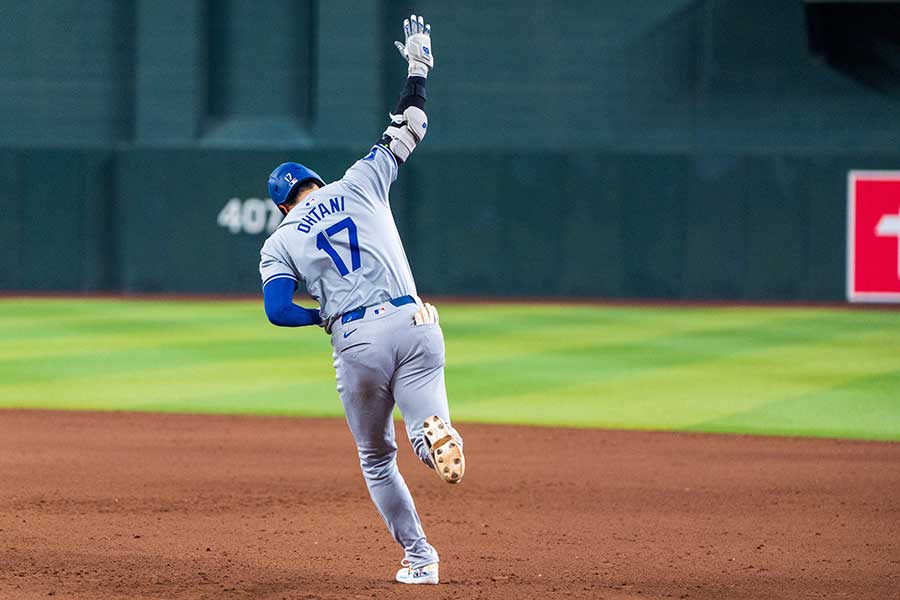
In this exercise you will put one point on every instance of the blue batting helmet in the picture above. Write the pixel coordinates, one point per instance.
(285, 179)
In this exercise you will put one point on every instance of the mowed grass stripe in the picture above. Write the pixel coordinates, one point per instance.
(119, 342)
(550, 367)
(156, 352)
(864, 407)
(758, 370)
(672, 397)
(177, 389)
(146, 345)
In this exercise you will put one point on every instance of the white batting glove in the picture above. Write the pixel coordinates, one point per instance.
(417, 49)
(426, 315)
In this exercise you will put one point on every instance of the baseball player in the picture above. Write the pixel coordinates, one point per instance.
(341, 241)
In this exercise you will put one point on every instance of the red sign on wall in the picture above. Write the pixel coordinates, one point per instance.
(873, 236)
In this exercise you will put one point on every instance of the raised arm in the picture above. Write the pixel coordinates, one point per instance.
(408, 121)
(375, 173)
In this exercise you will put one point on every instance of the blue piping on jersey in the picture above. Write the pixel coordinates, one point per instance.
(389, 153)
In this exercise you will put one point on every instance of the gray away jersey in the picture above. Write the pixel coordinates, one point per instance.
(341, 241)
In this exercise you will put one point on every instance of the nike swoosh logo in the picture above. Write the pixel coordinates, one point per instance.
(349, 333)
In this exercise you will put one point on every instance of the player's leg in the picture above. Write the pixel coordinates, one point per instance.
(363, 385)
(420, 392)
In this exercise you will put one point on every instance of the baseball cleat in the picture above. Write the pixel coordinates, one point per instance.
(418, 575)
(445, 448)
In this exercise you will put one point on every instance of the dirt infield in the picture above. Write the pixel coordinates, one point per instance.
(151, 506)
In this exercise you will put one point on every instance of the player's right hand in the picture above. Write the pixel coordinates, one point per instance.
(426, 315)
(417, 47)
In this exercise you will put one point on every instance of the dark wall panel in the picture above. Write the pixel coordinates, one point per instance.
(591, 235)
(646, 76)
(56, 220)
(261, 77)
(171, 84)
(66, 71)
(716, 229)
(740, 227)
(11, 218)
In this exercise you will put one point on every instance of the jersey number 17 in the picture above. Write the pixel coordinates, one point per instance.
(322, 243)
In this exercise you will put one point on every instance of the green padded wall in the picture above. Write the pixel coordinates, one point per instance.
(642, 75)
(56, 220)
(611, 224)
(683, 149)
(66, 71)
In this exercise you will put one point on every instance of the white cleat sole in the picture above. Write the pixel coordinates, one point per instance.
(446, 450)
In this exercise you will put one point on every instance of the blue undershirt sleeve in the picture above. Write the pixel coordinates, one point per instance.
(278, 299)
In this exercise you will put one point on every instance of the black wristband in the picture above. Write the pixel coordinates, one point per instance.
(414, 94)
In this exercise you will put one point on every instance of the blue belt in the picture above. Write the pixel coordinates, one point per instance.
(359, 313)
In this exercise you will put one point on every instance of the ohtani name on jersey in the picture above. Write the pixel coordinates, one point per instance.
(319, 212)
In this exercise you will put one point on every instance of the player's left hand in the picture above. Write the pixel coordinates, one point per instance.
(417, 47)
(426, 315)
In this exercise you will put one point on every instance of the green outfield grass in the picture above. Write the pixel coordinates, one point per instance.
(792, 371)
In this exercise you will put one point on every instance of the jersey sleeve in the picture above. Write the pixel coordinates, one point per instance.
(374, 173)
(273, 264)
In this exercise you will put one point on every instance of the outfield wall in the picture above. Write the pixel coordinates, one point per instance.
(507, 223)
(682, 149)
